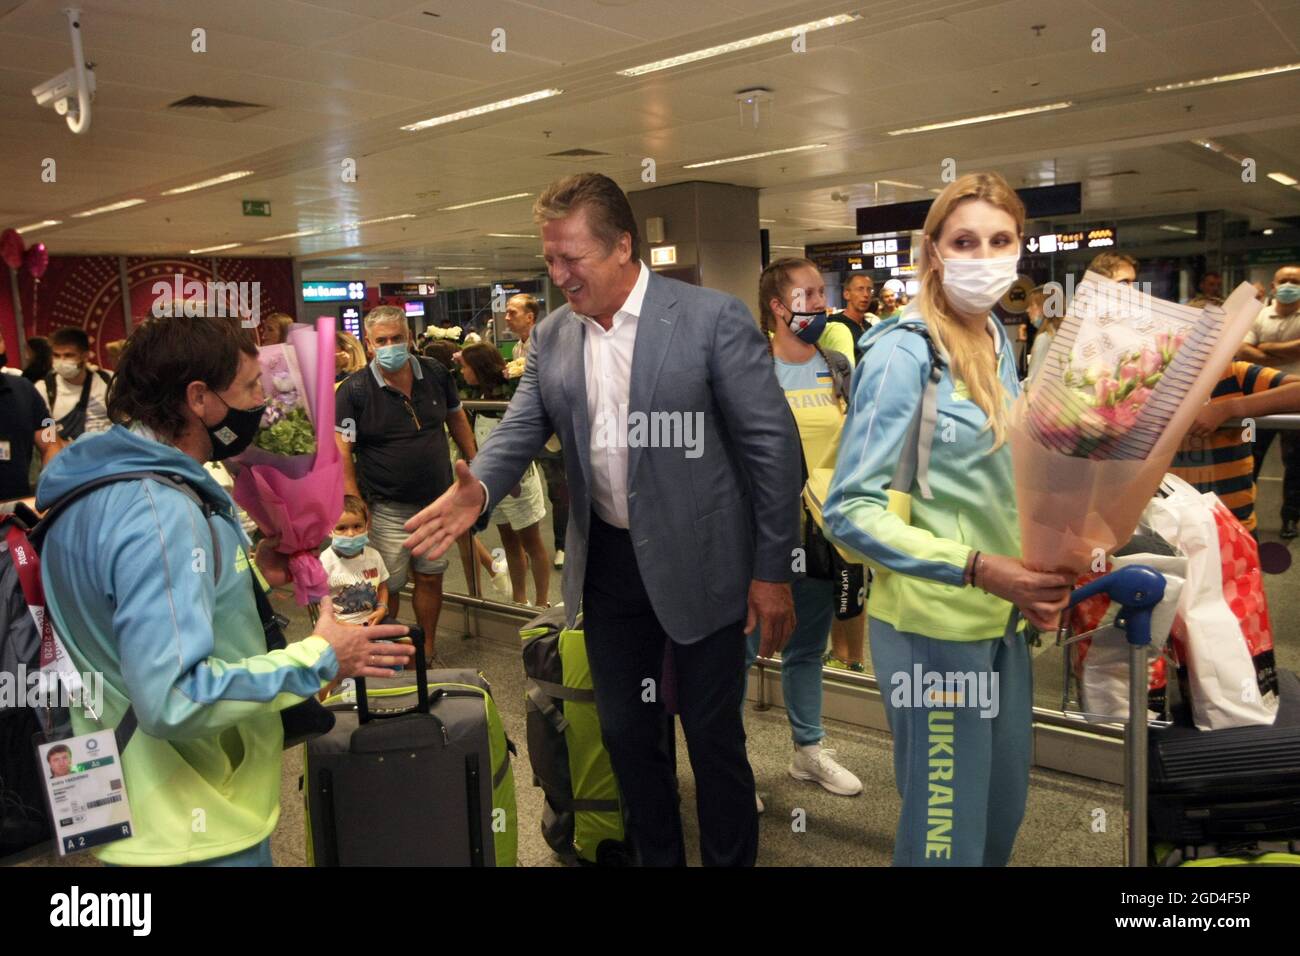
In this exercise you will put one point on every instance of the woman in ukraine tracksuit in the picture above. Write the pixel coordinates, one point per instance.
(946, 643)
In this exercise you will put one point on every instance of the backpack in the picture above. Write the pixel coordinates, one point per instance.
(582, 808)
(73, 424)
(914, 461)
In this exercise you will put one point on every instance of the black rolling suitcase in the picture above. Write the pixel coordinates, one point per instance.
(415, 773)
(1227, 787)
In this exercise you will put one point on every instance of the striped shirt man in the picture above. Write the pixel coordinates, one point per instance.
(1223, 462)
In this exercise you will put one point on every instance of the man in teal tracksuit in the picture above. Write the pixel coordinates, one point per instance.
(159, 599)
(953, 670)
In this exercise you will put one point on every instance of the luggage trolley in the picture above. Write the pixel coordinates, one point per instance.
(1137, 589)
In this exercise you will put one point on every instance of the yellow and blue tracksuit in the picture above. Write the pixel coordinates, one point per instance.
(809, 390)
(130, 582)
(962, 769)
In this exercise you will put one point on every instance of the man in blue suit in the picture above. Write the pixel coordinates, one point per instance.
(683, 469)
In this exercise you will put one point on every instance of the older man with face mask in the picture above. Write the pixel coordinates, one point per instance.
(1274, 340)
(391, 413)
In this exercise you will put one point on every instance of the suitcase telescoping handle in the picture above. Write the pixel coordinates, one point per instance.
(1137, 589)
(421, 684)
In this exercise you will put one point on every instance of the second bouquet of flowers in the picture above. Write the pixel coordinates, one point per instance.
(1095, 430)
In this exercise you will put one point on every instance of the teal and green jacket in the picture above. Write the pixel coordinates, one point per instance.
(130, 583)
(973, 504)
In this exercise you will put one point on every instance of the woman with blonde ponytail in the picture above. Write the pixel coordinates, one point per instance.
(950, 591)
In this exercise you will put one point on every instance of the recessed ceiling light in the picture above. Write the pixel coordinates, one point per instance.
(748, 156)
(512, 235)
(895, 182)
(40, 225)
(215, 181)
(1283, 178)
(736, 45)
(483, 202)
(113, 207)
(1182, 229)
(485, 108)
(1268, 232)
(985, 118)
(228, 245)
(371, 222)
(292, 235)
(1226, 78)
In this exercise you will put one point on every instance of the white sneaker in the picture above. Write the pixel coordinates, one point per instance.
(758, 802)
(814, 762)
(559, 559)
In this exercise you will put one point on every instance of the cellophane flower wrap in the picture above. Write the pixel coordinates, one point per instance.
(1098, 425)
(295, 492)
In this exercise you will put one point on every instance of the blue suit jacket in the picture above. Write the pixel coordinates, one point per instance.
(704, 520)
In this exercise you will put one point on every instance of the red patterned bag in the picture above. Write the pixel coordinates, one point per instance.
(1222, 637)
(1243, 591)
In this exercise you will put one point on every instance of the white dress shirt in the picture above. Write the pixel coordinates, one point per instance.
(609, 379)
(608, 363)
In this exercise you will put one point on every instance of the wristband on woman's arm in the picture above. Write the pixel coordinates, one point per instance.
(968, 575)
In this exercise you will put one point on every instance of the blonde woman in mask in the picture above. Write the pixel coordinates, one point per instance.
(945, 616)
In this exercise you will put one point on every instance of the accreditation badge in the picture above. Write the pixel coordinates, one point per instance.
(86, 790)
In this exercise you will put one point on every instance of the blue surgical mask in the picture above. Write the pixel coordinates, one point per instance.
(350, 545)
(392, 357)
(1287, 293)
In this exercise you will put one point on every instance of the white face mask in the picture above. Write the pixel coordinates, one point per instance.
(975, 285)
(68, 369)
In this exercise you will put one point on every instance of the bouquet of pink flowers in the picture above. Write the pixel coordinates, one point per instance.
(1104, 402)
(1097, 427)
(291, 482)
(286, 425)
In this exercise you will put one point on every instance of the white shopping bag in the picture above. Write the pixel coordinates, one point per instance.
(1225, 686)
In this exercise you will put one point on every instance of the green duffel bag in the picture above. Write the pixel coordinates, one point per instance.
(582, 817)
(1263, 853)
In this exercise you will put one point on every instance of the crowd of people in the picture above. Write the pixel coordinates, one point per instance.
(686, 567)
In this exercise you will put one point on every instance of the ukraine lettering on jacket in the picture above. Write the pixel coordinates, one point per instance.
(939, 818)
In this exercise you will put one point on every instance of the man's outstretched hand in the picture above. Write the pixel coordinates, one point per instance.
(436, 528)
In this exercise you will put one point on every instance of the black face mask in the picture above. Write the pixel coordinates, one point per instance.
(235, 432)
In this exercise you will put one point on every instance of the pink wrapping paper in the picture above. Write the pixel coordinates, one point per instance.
(1072, 507)
(299, 498)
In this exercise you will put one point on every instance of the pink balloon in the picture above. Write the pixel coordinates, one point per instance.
(37, 260)
(11, 248)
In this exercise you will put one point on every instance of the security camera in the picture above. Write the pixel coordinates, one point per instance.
(71, 91)
(62, 87)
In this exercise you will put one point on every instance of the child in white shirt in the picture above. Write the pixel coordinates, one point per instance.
(356, 571)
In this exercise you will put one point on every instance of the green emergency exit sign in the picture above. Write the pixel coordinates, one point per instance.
(257, 207)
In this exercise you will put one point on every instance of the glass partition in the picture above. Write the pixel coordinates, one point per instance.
(506, 562)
